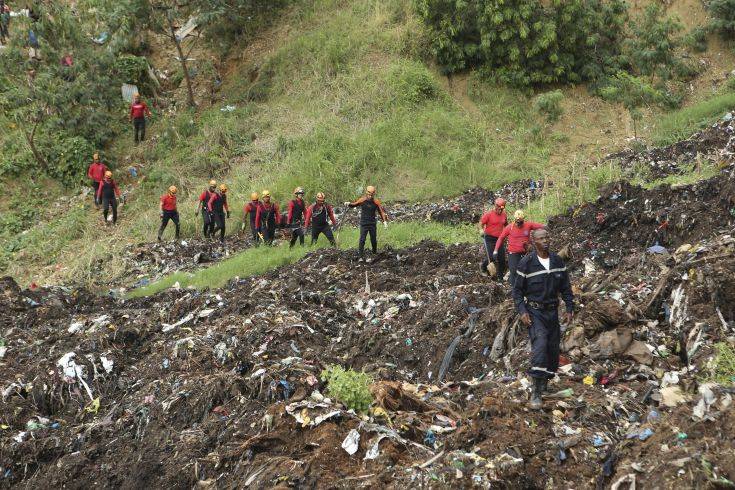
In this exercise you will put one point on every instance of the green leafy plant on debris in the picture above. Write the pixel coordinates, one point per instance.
(349, 387)
(724, 365)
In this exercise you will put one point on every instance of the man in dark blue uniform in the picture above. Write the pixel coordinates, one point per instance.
(541, 278)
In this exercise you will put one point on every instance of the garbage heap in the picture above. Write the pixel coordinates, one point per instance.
(231, 388)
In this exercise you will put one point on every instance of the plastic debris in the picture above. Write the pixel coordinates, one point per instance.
(351, 442)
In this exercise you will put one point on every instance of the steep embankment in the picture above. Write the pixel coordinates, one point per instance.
(223, 388)
(335, 95)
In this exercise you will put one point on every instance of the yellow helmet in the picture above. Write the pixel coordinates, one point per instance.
(212, 183)
(223, 188)
(254, 196)
(298, 190)
(519, 214)
(265, 193)
(172, 189)
(370, 189)
(108, 174)
(320, 196)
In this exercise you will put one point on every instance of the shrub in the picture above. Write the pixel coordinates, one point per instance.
(350, 387)
(412, 83)
(549, 105)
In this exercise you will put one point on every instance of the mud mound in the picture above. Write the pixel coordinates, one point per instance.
(465, 208)
(713, 144)
(627, 217)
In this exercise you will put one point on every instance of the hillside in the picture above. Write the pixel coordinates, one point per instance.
(333, 96)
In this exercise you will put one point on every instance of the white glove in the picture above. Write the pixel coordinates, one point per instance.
(495, 253)
(347, 203)
(385, 225)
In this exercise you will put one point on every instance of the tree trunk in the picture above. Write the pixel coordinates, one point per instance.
(30, 138)
(177, 42)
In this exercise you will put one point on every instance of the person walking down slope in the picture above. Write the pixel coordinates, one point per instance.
(492, 224)
(317, 216)
(4, 23)
(203, 206)
(217, 208)
(250, 210)
(267, 217)
(295, 218)
(138, 112)
(108, 193)
(519, 236)
(369, 206)
(541, 278)
(169, 212)
(96, 172)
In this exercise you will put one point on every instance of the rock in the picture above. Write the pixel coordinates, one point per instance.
(573, 339)
(613, 343)
(638, 351)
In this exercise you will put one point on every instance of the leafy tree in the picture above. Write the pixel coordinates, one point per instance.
(454, 30)
(59, 109)
(652, 48)
(722, 13)
(634, 93)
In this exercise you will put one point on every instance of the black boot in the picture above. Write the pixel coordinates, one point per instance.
(544, 385)
(535, 403)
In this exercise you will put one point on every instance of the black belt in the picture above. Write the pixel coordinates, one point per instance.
(542, 306)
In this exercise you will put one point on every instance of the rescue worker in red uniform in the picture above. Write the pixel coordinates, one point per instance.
(138, 112)
(295, 218)
(96, 172)
(217, 207)
(203, 206)
(519, 236)
(250, 210)
(492, 224)
(267, 218)
(108, 193)
(169, 212)
(369, 206)
(317, 215)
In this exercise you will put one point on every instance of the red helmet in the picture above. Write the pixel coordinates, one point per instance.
(500, 202)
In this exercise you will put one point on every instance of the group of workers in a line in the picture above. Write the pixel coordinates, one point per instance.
(262, 212)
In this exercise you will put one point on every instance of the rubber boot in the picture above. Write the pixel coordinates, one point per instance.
(544, 385)
(535, 402)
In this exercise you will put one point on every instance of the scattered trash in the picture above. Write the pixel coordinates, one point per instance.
(351, 442)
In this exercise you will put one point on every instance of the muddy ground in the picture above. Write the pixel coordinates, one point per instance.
(222, 389)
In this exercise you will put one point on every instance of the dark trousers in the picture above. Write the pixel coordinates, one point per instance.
(268, 230)
(500, 266)
(169, 216)
(544, 334)
(254, 233)
(326, 230)
(95, 186)
(513, 259)
(364, 231)
(139, 128)
(208, 222)
(297, 233)
(107, 203)
(219, 225)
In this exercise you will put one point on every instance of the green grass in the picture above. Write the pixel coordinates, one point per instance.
(680, 124)
(255, 261)
(724, 367)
